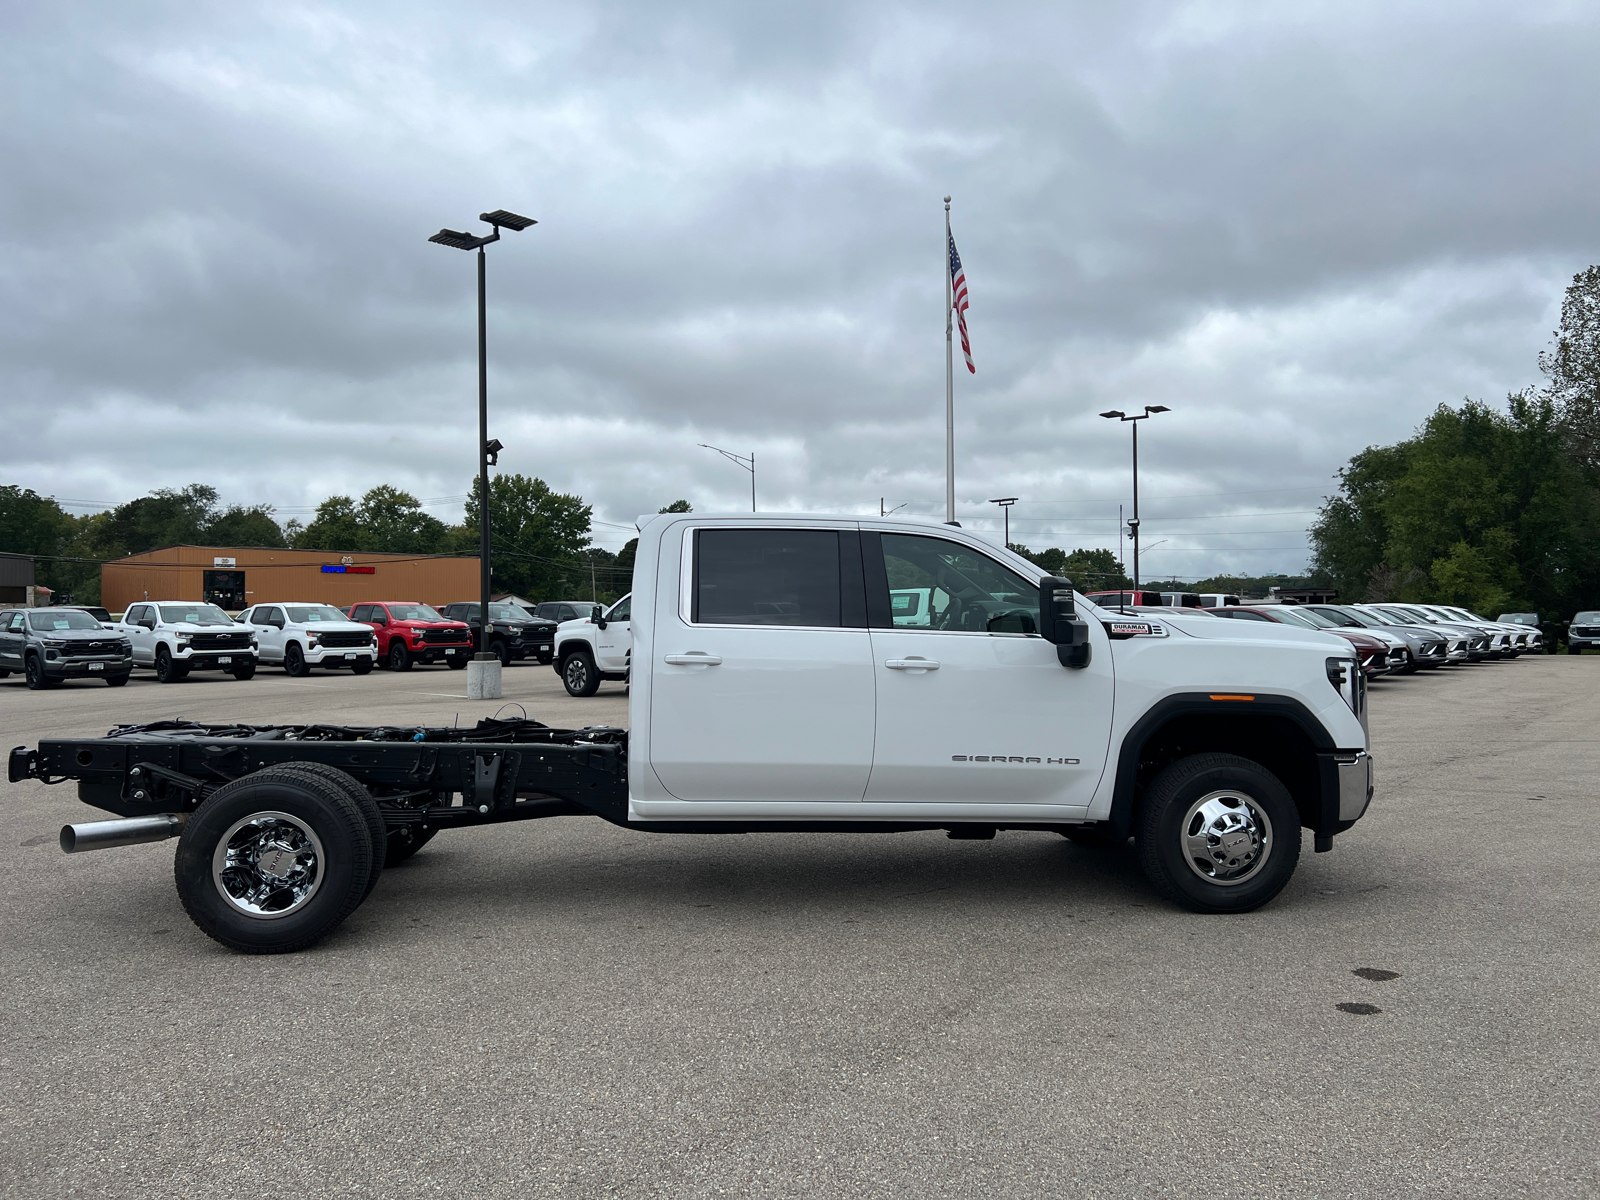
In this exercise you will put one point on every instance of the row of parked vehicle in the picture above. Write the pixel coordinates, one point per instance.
(51, 645)
(1390, 639)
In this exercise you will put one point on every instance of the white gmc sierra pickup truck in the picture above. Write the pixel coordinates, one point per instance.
(775, 689)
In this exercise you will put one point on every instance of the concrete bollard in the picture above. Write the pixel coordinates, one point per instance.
(483, 678)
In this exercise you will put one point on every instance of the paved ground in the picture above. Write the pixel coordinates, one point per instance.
(565, 1009)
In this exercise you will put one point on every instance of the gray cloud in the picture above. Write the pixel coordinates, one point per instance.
(1301, 229)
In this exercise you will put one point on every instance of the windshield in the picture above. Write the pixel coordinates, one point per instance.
(1587, 618)
(414, 612)
(194, 614)
(49, 622)
(1519, 618)
(1290, 617)
(310, 614)
(505, 612)
(1365, 620)
(1316, 619)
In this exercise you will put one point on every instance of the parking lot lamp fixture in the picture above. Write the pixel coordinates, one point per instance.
(1133, 522)
(456, 240)
(748, 462)
(1005, 507)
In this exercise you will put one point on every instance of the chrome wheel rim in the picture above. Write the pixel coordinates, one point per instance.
(577, 672)
(1226, 837)
(268, 865)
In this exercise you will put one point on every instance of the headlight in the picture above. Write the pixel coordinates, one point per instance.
(311, 639)
(1345, 676)
(56, 643)
(185, 638)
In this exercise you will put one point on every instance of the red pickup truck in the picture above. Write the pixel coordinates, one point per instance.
(411, 633)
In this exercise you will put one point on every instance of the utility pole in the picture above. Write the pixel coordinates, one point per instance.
(1005, 507)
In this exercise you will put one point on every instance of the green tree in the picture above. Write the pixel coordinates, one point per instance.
(240, 526)
(539, 538)
(385, 521)
(1572, 367)
(1089, 570)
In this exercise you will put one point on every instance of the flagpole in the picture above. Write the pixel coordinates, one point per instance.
(949, 383)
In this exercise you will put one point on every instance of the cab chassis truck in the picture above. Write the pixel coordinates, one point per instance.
(1212, 743)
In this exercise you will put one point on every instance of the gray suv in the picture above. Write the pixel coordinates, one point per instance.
(1584, 633)
(49, 645)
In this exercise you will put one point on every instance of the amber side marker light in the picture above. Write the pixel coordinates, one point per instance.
(1233, 697)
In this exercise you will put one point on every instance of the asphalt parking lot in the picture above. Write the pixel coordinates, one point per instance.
(562, 1008)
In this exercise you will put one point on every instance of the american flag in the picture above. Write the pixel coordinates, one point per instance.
(958, 293)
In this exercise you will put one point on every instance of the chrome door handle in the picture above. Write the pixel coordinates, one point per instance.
(694, 659)
(911, 664)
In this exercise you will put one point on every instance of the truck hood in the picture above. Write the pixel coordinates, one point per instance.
(1225, 629)
(331, 627)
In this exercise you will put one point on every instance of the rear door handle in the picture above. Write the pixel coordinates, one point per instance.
(911, 664)
(694, 659)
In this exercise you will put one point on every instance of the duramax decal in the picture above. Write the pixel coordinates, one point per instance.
(1011, 758)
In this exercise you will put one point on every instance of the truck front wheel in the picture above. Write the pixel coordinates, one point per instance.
(1218, 834)
(399, 660)
(271, 862)
(579, 674)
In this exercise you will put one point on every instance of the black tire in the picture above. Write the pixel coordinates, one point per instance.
(1243, 801)
(116, 681)
(294, 661)
(33, 669)
(457, 662)
(501, 651)
(290, 803)
(243, 671)
(5, 674)
(167, 671)
(370, 812)
(406, 840)
(362, 666)
(579, 675)
(399, 659)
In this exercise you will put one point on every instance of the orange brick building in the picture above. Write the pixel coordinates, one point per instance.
(235, 577)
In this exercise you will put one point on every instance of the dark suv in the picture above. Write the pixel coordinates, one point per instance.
(514, 633)
(565, 610)
(51, 644)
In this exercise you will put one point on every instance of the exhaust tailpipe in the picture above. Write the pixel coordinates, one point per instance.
(102, 835)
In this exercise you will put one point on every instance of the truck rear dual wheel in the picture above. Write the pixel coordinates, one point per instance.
(273, 861)
(579, 674)
(1218, 834)
(370, 812)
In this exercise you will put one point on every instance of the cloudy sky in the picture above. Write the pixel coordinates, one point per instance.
(1300, 226)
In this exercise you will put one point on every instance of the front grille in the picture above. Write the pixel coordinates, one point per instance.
(446, 636)
(93, 649)
(1587, 631)
(220, 641)
(349, 637)
(1432, 649)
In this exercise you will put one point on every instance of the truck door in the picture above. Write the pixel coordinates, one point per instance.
(266, 622)
(973, 707)
(12, 639)
(761, 679)
(141, 637)
(616, 639)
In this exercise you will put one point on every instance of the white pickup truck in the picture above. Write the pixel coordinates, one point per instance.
(775, 689)
(596, 647)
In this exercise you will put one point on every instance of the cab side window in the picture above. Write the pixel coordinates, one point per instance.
(620, 612)
(940, 585)
(134, 615)
(767, 577)
(17, 624)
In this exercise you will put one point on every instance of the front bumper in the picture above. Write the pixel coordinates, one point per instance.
(1355, 784)
(209, 660)
(80, 668)
(430, 653)
(332, 656)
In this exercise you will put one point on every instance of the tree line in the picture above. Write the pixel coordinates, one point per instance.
(1494, 509)
(542, 542)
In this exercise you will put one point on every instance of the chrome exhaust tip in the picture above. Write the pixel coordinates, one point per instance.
(132, 831)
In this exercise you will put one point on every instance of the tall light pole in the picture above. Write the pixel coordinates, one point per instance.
(1005, 507)
(1133, 523)
(748, 462)
(487, 451)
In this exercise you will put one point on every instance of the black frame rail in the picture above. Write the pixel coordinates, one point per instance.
(439, 776)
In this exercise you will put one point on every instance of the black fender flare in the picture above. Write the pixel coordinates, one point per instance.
(1259, 704)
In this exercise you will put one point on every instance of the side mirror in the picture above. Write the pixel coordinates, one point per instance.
(1059, 622)
(148, 622)
(597, 615)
